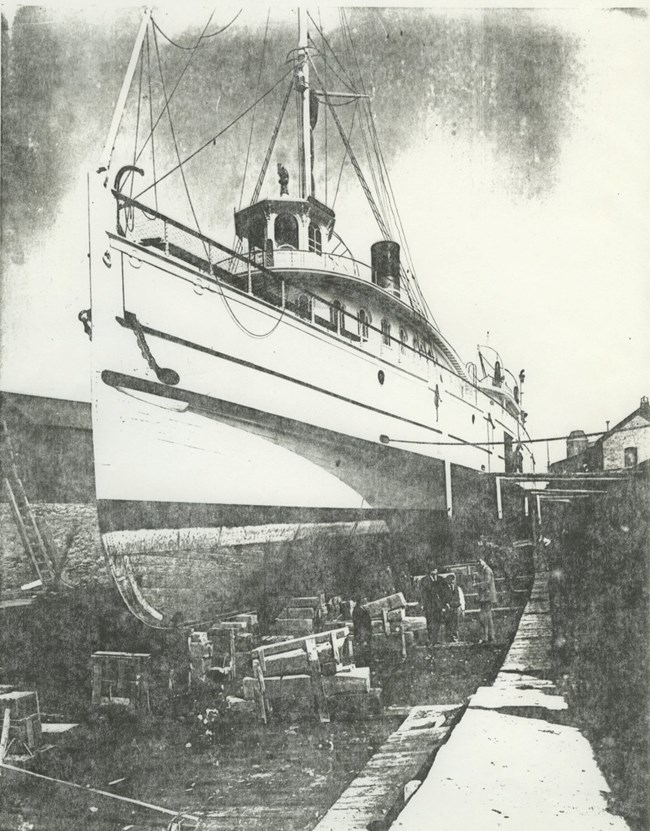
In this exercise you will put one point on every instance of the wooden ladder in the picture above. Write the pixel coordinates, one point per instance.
(44, 559)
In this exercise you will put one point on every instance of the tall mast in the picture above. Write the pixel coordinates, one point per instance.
(303, 89)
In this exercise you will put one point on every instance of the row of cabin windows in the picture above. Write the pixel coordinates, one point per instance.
(286, 233)
(338, 322)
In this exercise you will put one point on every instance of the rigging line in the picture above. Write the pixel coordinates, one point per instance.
(223, 28)
(336, 58)
(350, 48)
(257, 90)
(519, 441)
(203, 37)
(218, 135)
(180, 77)
(323, 57)
(244, 328)
(344, 157)
(355, 164)
(137, 123)
(326, 118)
(269, 152)
(411, 286)
(173, 132)
(153, 144)
(302, 174)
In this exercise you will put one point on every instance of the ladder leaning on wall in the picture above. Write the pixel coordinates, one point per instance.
(41, 552)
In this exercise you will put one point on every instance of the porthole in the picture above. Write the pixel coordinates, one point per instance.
(473, 418)
(380, 376)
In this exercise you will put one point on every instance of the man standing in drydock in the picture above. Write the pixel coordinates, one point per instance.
(487, 597)
(433, 603)
(454, 609)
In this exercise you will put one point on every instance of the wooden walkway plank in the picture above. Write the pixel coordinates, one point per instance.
(377, 794)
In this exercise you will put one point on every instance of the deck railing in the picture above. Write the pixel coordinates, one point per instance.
(252, 275)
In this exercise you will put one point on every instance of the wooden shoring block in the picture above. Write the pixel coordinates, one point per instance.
(22, 703)
(298, 612)
(4, 736)
(233, 655)
(298, 643)
(336, 652)
(392, 601)
(316, 602)
(320, 700)
(263, 705)
(293, 626)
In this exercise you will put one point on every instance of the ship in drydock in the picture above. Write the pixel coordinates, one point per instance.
(275, 389)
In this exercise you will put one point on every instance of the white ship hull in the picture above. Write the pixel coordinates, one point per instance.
(262, 399)
(269, 434)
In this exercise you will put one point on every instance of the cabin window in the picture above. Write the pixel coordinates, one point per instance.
(630, 456)
(303, 306)
(315, 240)
(385, 332)
(337, 310)
(403, 341)
(364, 321)
(257, 235)
(268, 254)
(286, 231)
(416, 343)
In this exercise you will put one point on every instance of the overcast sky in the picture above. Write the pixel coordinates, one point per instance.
(516, 142)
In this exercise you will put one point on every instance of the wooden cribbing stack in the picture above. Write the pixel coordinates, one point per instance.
(316, 667)
(121, 678)
(21, 721)
(231, 641)
(301, 616)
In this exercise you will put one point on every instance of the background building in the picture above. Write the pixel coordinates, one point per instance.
(625, 445)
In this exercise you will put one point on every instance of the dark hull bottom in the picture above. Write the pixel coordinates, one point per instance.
(179, 562)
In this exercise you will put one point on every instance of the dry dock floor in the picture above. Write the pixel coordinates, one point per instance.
(511, 763)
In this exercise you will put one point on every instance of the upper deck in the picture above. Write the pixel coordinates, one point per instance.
(334, 292)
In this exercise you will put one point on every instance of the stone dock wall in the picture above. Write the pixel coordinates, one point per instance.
(74, 529)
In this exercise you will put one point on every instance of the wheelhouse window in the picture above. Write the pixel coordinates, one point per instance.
(403, 341)
(364, 322)
(303, 306)
(315, 239)
(337, 310)
(257, 236)
(286, 231)
(385, 332)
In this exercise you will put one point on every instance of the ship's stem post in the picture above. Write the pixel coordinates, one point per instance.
(303, 89)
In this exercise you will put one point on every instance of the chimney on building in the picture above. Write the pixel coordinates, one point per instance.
(644, 409)
(576, 443)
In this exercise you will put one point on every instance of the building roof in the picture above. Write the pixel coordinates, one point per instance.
(642, 410)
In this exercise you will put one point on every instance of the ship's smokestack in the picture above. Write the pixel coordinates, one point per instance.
(384, 257)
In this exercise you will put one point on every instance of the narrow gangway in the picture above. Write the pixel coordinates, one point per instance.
(511, 762)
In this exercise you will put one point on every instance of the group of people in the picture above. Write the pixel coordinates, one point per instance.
(443, 602)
